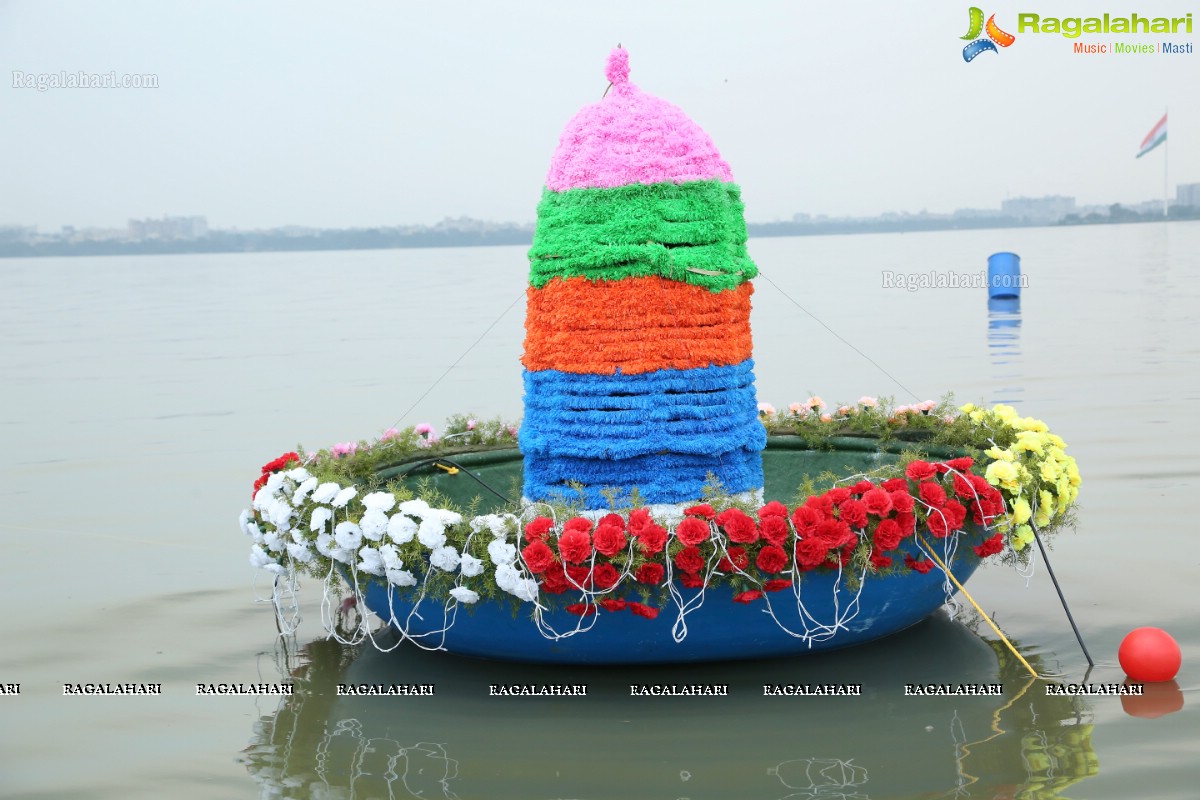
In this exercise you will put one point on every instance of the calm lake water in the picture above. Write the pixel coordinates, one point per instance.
(140, 396)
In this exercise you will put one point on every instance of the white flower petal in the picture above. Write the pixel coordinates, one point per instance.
(432, 533)
(507, 577)
(445, 559)
(259, 558)
(320, 518)
(501, 552)
(298, 474)
(383, 501)
(414, 508)
(274, 482)
(401, 577)
(374, 523)
(464, 595)
(344, 497)
(470, 566)
(300, 552)
(325, 544)
(348, 535)
(391, 556)
(401, 529)
(302, 491)
(262, 499)
(325, 492)
(370, 561)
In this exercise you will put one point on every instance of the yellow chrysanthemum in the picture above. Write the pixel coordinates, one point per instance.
(1022, 537)
(1006, 414)
(968, 408)
(1021, 511)
(1034, 425)
(1000, 455)
(1049, 471)
(1029, 442)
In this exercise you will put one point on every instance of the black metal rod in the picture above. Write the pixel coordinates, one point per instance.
(1063, 599)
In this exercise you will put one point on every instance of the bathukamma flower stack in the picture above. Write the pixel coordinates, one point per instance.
(638, 369)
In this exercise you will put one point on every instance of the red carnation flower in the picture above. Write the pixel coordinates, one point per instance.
(702, 510)
(902, 501)
(877, 502)
(651, 539)
(933, 494)
(921, 566)
(582, 609)
(610, 539)
(880, 561)
(261, 482)
(692, 531)
(937, 525)
(735, 559)
(575, 545)
(862, 487)
(920, 470)
(990, 546)
(775, 530)
(604, 576)
(777, 585)
(690, 580)
(838, 495)
(578, 576)
(639, 520)
(689, 559)
(835, 533)
(961, 464)
(538, 556)
(555, 581)
(773, 509)
(888, 535)
(846, 555)
(822, 503)
(956, 514)
(811, 552)
(650, 573)
(894, 485)
(578, 524)
(806, 519)
(853, 513)
(281, 462)
(963, 487)
(613, 604)
(747, 597)
(771, 559)
(739, 527)
(643, 610)
(613, 519)
(907, 522)
(539, 529)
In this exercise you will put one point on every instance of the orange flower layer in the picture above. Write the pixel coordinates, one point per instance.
(636, 324)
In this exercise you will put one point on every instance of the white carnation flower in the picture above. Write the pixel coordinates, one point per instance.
(260, 560)
(302, 491)
(279, 513)
(300, 552)
(380, 500)
(374, 523)
(262, 499)
(244, 521)
(299, 537)
(471, 566)
(414, 508)
(401, 529)
(526, 590)
(432, 533)
(479, 523)
(344, 496)
(342, 554)
(370, 561)
(401, 577)
(464, 595)
(348, 535)
(448, 517)
(391, 556)
(320, 517)
(325, 544)
(272, 541)
(507, 577)
(325, 492)
(445, 559)
(274, 482)
(298, 474)
(501, 552)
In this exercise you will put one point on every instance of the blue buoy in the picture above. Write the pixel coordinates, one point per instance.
(1004, 275)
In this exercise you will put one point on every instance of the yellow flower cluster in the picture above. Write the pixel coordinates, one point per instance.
(1038, 479)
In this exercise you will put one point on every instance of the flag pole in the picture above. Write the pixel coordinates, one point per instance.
(1166, 145)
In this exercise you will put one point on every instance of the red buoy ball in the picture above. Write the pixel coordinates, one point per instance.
(1150, 655)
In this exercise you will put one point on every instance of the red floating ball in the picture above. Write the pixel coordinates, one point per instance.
(1149, 655)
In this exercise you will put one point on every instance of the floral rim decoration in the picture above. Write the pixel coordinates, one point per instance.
(328, 514)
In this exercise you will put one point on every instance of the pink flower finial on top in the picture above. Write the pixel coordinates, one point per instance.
(617, 68)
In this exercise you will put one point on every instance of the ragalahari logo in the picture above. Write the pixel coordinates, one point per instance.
(994, 37)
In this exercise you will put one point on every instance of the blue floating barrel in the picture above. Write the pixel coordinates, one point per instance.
(1005, 311)
(1004, 275)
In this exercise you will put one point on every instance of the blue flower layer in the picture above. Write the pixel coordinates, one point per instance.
(659, 478)
(663, 432)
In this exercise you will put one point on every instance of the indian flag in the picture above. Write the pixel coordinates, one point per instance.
(1156, 136)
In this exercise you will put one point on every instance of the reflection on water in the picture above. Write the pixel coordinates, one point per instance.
(1004, 348)
(461, 743)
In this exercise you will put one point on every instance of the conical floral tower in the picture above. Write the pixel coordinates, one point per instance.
(638, 369)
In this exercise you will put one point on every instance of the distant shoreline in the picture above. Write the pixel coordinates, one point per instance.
(385, 239)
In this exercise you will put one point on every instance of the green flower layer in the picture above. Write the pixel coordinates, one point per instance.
(691, 232)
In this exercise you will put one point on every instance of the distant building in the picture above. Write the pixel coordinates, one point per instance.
(17, 233)
(168, 228)
(1187, 194)
(1038, 209)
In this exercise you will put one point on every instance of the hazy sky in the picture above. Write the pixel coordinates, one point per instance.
(367, 113)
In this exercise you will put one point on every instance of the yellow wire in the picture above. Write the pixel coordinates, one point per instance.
(971, 600)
